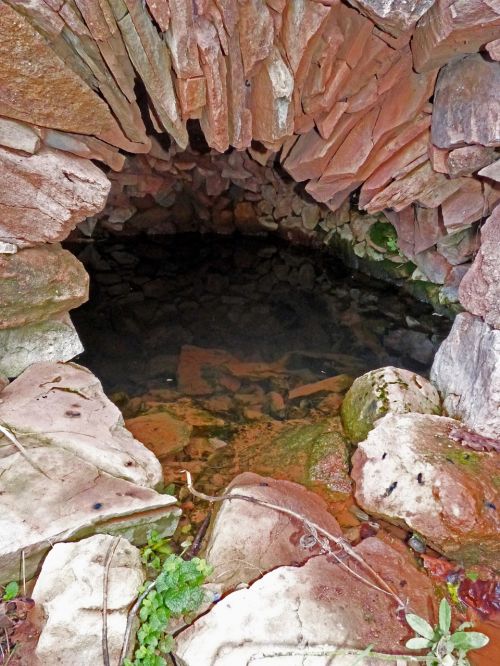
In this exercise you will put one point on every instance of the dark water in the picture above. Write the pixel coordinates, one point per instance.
(254, 298)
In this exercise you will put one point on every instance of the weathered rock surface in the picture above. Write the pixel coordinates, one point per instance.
(466, 371)
(38, 283)
(65, 404)
(51, 340)
(480, 289)
(412, 472)
(312, 454)
(466, 106)
(82, 471)
(69, 598)
(244, 541)
(44, 196)
(388, 390)
(318, 603)
(393, 16)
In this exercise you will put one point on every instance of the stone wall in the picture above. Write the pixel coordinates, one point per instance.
(325, 123)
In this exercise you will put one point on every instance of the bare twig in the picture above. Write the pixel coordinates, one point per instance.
(10, 655)
(23, 568)
(107, 564)
(331, 651)
(12, 438)
(385, 588)
(196, 545)
(130, 619)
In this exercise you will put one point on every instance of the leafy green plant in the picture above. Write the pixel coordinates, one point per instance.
(445, 648)
(11, 591)
(176, 591)
(155, 551)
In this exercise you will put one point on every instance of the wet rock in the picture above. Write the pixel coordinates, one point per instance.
(480, 289)
(411, 472)
(243, 544)
(69, 599)
(337, 384)
(314, 455)
(39, 282)
(465, 103)
(318, 603)
(387, 390)
(161, 432)
(51, 340)
(466, 371)
(416, 344)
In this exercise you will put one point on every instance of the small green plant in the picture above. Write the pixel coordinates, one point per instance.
(176, 591)
(445, 648)
(155, 551)
(11, 591)
(385, 235)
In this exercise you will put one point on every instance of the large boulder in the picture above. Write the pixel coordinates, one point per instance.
(69, 594)
(479, 291)
(382, 391)
(412, 471)
(244, 542)
(466, 371)
(69, 468)
(52, 340)
(38, 283)
(319, 603)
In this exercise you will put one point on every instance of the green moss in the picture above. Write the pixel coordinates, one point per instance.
(466, 459)
(384, 235)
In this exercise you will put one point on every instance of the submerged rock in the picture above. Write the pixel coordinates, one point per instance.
(69, 600)
(161, 432)
(466, 371)
(411, 472)
(52, 340)
(314, 455)
(318, 603)
(247, 540)
(69, 468)
(387, 390)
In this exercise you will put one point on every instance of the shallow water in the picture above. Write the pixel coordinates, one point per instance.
(214, 348)
(253, 298)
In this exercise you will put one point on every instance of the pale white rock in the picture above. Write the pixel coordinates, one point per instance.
(64, 404)
(492, 171)
(243, 544)
(69, 600)
(466, 371)
(51, 340)
(318, 603)
(393, 16)
(7, 248)
(387, 389)
(56, 496)
(413, 470)
(17, 135)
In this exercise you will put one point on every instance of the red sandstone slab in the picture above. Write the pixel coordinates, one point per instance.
(451, 28)
(181, 39)
(467, 104)
(327, 122)
(256, 33)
